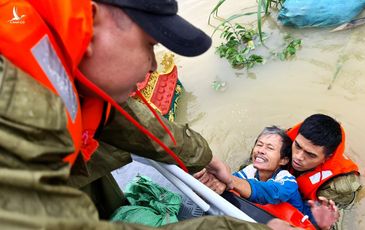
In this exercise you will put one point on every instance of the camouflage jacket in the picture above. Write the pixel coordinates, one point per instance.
(36, 191)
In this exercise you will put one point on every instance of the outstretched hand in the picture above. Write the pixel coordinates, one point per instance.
(210, 181)
(217, 176)
(325, 212)
(221, 171)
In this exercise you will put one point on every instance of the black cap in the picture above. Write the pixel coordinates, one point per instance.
(159, 19)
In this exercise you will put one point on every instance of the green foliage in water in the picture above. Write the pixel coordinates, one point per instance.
(291, 49)
(239, 42)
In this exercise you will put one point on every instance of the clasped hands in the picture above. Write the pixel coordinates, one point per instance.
(217, 176)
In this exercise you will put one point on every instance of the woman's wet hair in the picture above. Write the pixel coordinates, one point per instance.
(285, 150)
(322, 130)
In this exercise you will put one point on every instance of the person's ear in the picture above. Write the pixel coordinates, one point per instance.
(95, 10)
(284, 161)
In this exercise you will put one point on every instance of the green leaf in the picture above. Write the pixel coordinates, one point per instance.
(215, 10)
(259, 22)
(267, 5)
(232, 18)
(281, 56)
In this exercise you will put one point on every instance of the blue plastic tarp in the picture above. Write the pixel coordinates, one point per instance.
(319, 13)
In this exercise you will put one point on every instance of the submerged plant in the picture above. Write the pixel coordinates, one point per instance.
(290, 50)
(239, 42)
(219, 85)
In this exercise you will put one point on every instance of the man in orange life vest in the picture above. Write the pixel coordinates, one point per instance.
(56, 158)
(319, 163)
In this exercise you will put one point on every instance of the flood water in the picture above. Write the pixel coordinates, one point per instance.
(278, 92)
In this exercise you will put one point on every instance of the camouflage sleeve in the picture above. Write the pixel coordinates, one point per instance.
(191, 147)
(33, 122)
(203, 223)
(342, 189)
(216, 222)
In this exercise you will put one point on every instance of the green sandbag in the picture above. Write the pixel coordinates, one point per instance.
(150, 204)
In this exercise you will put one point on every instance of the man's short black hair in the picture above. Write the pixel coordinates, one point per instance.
(322, 130)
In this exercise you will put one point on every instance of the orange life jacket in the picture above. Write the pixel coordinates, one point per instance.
(287, 212)
(28, 42)
(337, 164)
(47, 40)
(95, 113)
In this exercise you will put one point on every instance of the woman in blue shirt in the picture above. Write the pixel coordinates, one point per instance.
(266, 181)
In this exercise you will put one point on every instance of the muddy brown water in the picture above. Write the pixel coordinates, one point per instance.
(278, 92)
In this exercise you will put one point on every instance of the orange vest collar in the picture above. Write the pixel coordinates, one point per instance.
(71, 23)
(38, 36)
(33, 44)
